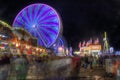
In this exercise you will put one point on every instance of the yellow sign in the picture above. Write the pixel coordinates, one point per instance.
(95, 47)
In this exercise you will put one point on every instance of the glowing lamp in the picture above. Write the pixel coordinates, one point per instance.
(60, 49)
(33, 26)
(28, 47)
(40, 49)
(37, 49)
(17, 44)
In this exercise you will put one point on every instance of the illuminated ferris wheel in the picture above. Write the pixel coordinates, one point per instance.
(41, 21)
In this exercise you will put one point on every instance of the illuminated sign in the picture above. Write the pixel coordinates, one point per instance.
(85, 49)
(95, 47)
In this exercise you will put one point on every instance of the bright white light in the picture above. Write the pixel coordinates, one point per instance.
(17, 44)
(60, 49)
(54, 45)
(111, 49)
(76, 52)
(3, 35)
(104, 39)
(33, 26)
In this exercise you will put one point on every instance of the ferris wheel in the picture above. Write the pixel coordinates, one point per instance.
(41, 21)
(60, 42)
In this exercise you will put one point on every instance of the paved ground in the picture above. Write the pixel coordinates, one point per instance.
(98, 73)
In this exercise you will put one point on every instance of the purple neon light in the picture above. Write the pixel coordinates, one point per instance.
(45, 14)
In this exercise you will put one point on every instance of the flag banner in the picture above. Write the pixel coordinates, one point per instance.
(83, 44)
(88, 43)
(79, 45)
(96, 41)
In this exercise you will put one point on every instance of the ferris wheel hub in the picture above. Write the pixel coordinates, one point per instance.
(34, 26)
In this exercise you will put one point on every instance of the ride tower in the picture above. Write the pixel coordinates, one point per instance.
(105, 43)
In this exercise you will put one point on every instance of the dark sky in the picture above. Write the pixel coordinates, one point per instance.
(81, 19)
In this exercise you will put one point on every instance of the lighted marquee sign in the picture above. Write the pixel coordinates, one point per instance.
(85, 49)
(95, 47)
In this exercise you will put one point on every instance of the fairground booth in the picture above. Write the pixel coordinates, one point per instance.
(94, 50)
(25, 43)
(18, 41)
(6, 35)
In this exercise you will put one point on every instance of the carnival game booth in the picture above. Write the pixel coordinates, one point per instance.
(95, 50)
(6, 35)
(85, 50)
(22, 41)
(25, 43)
(5, 31)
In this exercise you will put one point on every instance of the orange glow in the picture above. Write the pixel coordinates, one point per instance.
(37, 49)
(28, 47)
(95, 47)
(60, 48)
(85, 48)
(40, 50)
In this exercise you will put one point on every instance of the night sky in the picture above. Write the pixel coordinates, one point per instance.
(81, 19)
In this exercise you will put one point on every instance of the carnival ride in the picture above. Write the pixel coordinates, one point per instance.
(60, 43)
(106, 44)
(41, 21)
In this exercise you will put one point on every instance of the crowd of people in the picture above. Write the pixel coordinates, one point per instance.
(20, 63)
(87, 62)
(90, 61)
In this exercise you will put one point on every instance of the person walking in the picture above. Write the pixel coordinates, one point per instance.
(85, 61)
(90, 60)
(118, 73)
(21, 67)
(76, 63)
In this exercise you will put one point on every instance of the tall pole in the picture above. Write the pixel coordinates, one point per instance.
(106, 45)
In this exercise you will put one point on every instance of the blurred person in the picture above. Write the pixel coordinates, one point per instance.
(116, 68)
(22, 67)
(85, 61)
(95, 61)
(90, 60)
(76, 63)
(100, 61)
(118, 72)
